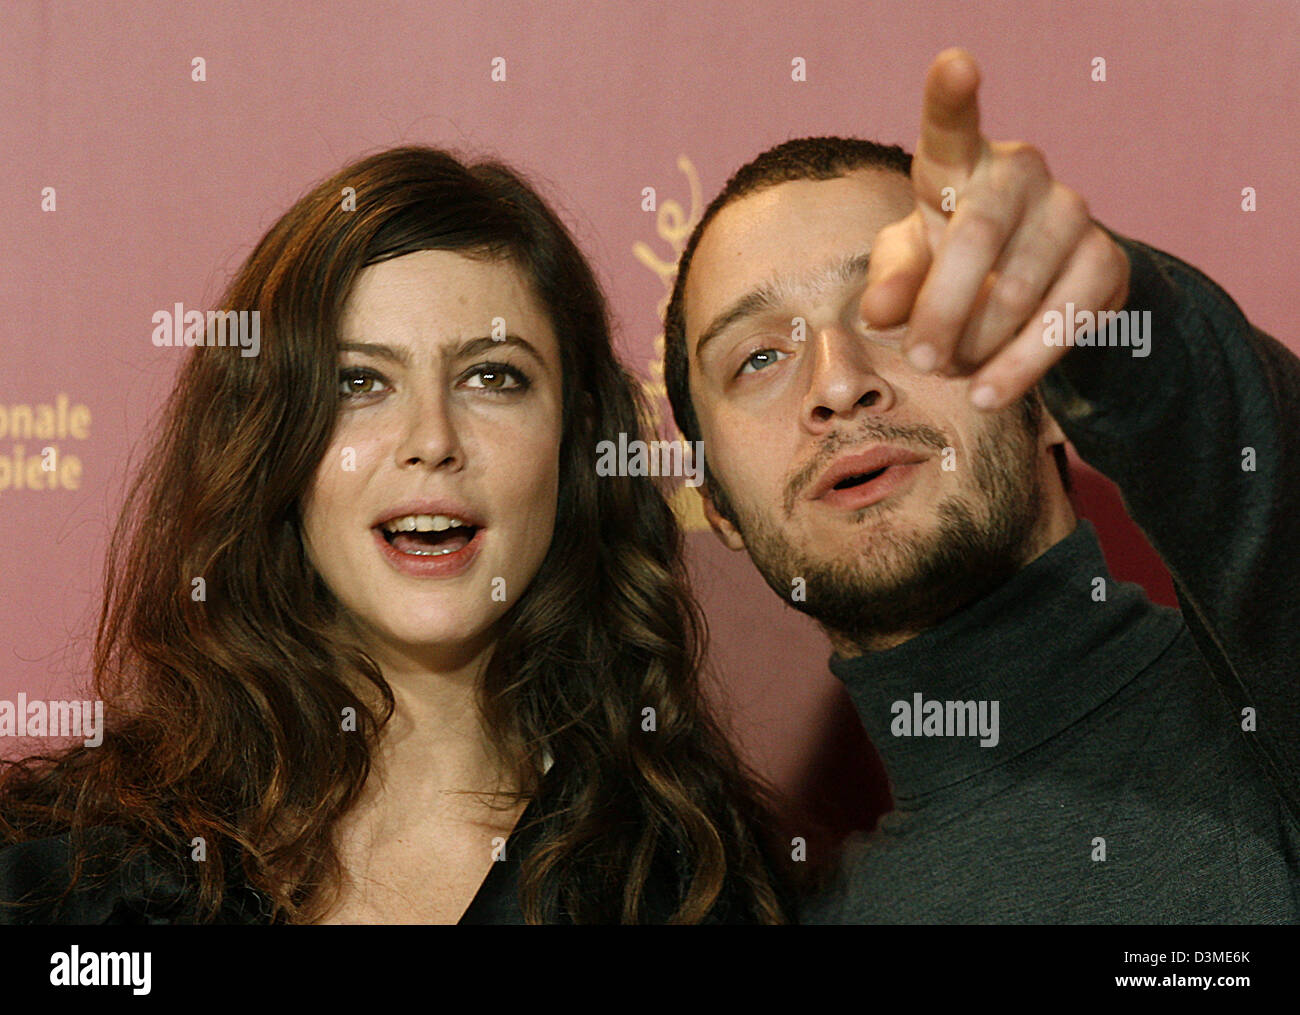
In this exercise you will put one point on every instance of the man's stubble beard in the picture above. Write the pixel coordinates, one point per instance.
(907, 581)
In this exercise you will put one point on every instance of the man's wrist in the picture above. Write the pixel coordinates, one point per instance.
(1124, 366)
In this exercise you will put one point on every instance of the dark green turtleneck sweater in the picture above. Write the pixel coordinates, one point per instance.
(1147, 760)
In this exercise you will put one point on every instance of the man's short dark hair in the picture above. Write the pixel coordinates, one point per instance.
(805, 158)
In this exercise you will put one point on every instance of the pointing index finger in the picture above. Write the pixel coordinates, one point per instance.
(950, 146)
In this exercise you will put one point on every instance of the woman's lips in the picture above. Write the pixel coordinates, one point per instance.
(430, 564)
(893, 479)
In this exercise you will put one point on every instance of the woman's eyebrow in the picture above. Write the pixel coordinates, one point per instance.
(378, 350)
(472, 347)
(478, 345)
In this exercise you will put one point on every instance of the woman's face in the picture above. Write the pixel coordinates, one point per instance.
(435, 503)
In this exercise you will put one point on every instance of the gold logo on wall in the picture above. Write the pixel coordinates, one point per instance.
(35, 460)
(673, 226)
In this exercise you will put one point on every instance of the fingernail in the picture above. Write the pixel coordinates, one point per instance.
(984, 397)
(923, 357)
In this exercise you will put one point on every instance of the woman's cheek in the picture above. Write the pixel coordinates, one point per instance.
(536, 488)
(354, 449)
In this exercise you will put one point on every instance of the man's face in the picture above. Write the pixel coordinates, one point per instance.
(881, 487)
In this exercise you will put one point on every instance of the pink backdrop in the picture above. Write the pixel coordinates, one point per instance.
(163, 184)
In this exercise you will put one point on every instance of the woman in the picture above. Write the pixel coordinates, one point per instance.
(378, 645)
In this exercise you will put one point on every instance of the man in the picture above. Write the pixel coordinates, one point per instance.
(861, 341)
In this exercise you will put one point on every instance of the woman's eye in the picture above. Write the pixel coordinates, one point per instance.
(497, 377)
(358, 381)
(760, 359)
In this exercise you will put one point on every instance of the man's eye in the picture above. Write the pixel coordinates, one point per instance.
(358, 381)
(760, 359)
(497, 377)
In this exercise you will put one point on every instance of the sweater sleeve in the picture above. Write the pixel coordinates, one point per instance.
(1200, 430)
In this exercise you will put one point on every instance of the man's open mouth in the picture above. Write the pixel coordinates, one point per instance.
(859, 479)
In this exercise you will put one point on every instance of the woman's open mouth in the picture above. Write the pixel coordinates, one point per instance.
(427, 535)
(429, 545)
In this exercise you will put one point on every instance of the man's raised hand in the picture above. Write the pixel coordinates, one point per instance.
(993, 245)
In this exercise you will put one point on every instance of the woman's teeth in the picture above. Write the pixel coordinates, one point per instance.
(428, 535)
(421, 551)
(424, 523)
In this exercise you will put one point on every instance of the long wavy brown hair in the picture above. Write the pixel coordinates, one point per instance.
(224, 714)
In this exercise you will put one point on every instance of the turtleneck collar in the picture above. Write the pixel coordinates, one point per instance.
(1043, 646)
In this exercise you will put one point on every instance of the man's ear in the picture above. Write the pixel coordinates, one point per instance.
(726, 532)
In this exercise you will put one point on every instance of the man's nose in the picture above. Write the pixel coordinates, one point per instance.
(844, 377)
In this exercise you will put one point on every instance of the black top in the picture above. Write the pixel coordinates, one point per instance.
(1147, 764)
(142, 890)
(148, 891)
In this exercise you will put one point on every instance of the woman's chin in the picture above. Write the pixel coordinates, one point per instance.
(452, 641)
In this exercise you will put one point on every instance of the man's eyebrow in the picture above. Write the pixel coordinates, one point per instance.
(472, 347)
(769, 295)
